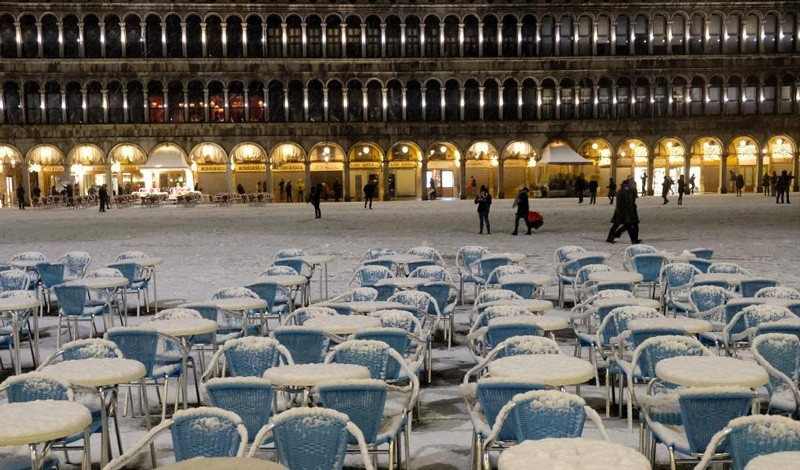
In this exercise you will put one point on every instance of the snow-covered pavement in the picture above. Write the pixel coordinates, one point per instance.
(206, 248)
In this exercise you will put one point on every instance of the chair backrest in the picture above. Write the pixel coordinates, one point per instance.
(500, 271)
(749, 287)
(306, 345)
(294, 263)
(542, 414)
(71, 299)
(311, 438)
(726, 268)
(755, 315)
(425, 252)
(505, 328)
(702, 253)
(562, 254)
(130, 255)
(136, 343)
(386, 263)
(494, 393)
(442, 292)
(419, 263)
(778, 292)
(384, 292)
(14, 279)
(648, 265)
(104, 272)
(494, 295)
(526, 290)
(488, 264)
(289, 253)
(398, 339)
(432, 272)
(207, 432)
(367, 276)
(303, 314)
(707, 298)
(779, 353)
(132, 271)
(634, 250)
(706, 411)
(467, 255)
(500, 311)
(250, 398)
(582, 275)
(678, 275)
(751, 436)
(363, 294)
(28, 256)
(178, 313)
(701, 264)
(251, 356)
(77, 263)
(34, 386)
(377, 253)
(374, 355)
(267, 291)
(235, 293)
(279, 271)
(420, 301)
(90, 348)
(402, 319)
(362, 401)
(50, 274)
(650, 351)
(616, 322)
(524, 346)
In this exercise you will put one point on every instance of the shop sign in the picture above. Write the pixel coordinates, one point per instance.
(472, 163)
(364, 165)
(258, 167)
(292, 167)
(53, 169)
(211, 168)
(515, 163)
(403, 164)
(129, 168)
(326, 166)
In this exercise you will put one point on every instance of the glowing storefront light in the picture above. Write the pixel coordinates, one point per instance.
(605, 158)
(746, 153)
(781, 151)
(711, 152)
(639, 154)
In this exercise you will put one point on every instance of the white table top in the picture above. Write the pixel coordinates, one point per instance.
(403, 282)
(555, 370)
(576, 255)
(25, 263)
(18, 303)
(182, 326)
(711, 371)
(99, 282)
(343, 324)
(97, 372)
(572, 454)
(368, 306)
(148, 262)
(545, 322)
(531, 305)
(399, 258)
(761, 300)
(616, 276)
(41, 421)
(775, 461)
(690, 325)
(678, 257)
(311, 375)
(513, 257)
(223, 463)
(626, 301)
(286, 280)
(239, 304)
(538, 279)
(719, 277)
(315, 259)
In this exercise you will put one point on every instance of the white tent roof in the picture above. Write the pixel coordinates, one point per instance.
(166, 160)
(561, 154)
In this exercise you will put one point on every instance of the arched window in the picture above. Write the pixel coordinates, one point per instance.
(661, 97)
(255, 101)
(548, 105)
(72, 38)
(153, 40)
(94, 99)
(528, 100)
(334, 36)
(566, 35)
(49, 37)
(294, 36)
(175, 102)
(697, 34)
(769, 92)
(622, 34)
(174, 36)
(413, 32)
(567, 99)
(471, 36)
(433, 101)
(255, 41)
(413, 101)
(585, 27)
(393, 40)
(233, 37)
(472, 102)
(641, 31)
(134, 41)
(678, 35)
(196, 102)
(91, 36)
(603, 43)
(750, 103)
(8, 37)
(770, 33)
(314, 35)
(236, 101)
(491, 101)
(373, 34)
(452, 101)
(547, 34)
(431, 39)
(451, 36)
(789, 36)
(353, 33)
(604, 90)
(74, 103)
(33, 108)
(641, 94)
(509, 33)
(490, 36)
(216, 102)
(335, 102)
(374, 101)
(787, 93)
(274, 36)
(136, 103)
(623, 98)
(52, 99)
(660, 34)
(113, 37)
(752, 30)
(510, 100)
(715, 25)
(355, 101)
(29, 36)
(12, 103)
(316, 102)
(394, 101)
(194, 35)
(586, 99)
(679, 99)
(733, 26)
(715, 93)
(528, 43)
(733, 93)
(116, 105)
(155, 99)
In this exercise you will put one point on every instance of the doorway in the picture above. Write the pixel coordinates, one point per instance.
(444, 182)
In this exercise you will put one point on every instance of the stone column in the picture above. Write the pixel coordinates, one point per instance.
(246, 105)
(84, 110)
(614, 166)
(686, 104)
(613, 34)
(39, 42)
(123, 40)
(224, 31)
(229, 177)
(343, 32)
(650, 37)
(403, 91)
(423, 90)
(480, 103)
(102, 39)
(441, 39)
(403, 39)
(614, 102)
(125, 117)
(146, 103)
(183, 39)
(104, 93)
(500, 102)
(304, 38)
(244, 40)
(164, 40)
(557, 41)
(346, 182)
(325, 109)
(185, 104)
(286, 104)
(364, 104)
(649, 182)
(42, 106)
(558, 102)
(81, 48)
(538, 37)
(165, 92)
(64, 105)
(742, 32)
(204, 39)
(519, 39)
(206, 114)
(2, 110)
(576, 101)
(284, 45)
(61, 39)
(706, 94)
(383, 104)
(226, 105)
(383, 39)
(18, 38)
(759, 170)
(423, 179)
(461, 103)
(501, 192)
(480, 39)
(723, 172)
(463, 178)
(363, 39)
(538, 102)
(324, 40)
(267, 110)
(595, 101)
(519, 102)
(385, 184)
(305, 104)
(594, 39)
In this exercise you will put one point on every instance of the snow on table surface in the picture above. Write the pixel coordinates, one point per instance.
(223, 463)
(711, 371)
(572, 454)
(626, 301)
(689, 325)
(545, 322)
(97, 372)
(551, 369)
(287, 280)
(99, 282)
(18, 303)
(775, 461)
(538, 279)
(41, 421)
(531, 305)
(311, 375)
(730, 278)
(343, 324)
(368, 306)
(615, 276)
(403, 282)
(236, 304)
(182, 326)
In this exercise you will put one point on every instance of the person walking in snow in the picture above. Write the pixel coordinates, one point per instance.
(288, 191)
(681, 189)
(313, 199)
(593, 184)
(522, 205)
(580, 187)
(665, 188)
(739, 185)
(280, 189)
(484, 200)
(369, 193)
(612, 190)
(765, 184)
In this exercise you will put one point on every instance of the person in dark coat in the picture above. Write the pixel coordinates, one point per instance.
(523, 206)
(626, 215)
(783, 187)
(612, 190)
(288, 188)
(681, 189)
(337, 190)
(21, 197)
(36, 192)
(773, 184)
(644, 183)
(765, 184)
(484, 200)
(432, 190)
(593, 184)
(314, 198)
(103, 195)
(665, 188)
(580, 187)
(739, 184)
(280, 189)
(692, 184)
(240, 189)
(369, 193)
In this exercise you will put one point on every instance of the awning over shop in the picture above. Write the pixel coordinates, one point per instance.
(165, 159)
(561, 154)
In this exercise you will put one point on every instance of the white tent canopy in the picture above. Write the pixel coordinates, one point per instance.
(164, 159)
(561, 154)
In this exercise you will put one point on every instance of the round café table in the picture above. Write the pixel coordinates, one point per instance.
(150, 264)
(711, 371)
(308, 376)
(399, 260)
(578, 255)
(33, 422)
(26, 264)
(616, 276)
(692, 326)
(545, 322)
(343, 325)
(531, 305)
(290, 282)
(368, 306)
(775, 461)
(625, 302)
(556, 370)
(184, 329)
(403, 283)
(223, 463)
(747, 301)
(573, 454)
(513, 258)
(323, 261)
(728, 278)
(108, 286)
(102, 375)
(15, 307)
(538, 279)
(239, 306)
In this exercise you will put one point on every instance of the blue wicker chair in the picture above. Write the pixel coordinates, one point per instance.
(311, 439)
(77, 262)
(138, 282)
(250, 398)
(271, 292)
(581, 282)
(306, 345)
(368, 276)
(749, 437)
(250, 356)
(50, 275)
(778, 292)
(408, 345)
(433, 272)
(633, 250)
(374, 355)
(301, 315)
(484, 268)
(446, 297)
(466, 257)
(701, 264)
(703, 253)
(779, 354)
(386, 263)
(199, 432)
(676, 281)
(75, 306)
(377, 253)
(741, 329)
(14, 279)
(727, 268)
(649, 266)
(749, 287)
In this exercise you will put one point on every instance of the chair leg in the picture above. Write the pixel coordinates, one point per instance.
(164, 401)
(608, 394)
(672, 463)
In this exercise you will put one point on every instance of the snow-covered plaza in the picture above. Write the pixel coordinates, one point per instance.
(206, 248)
